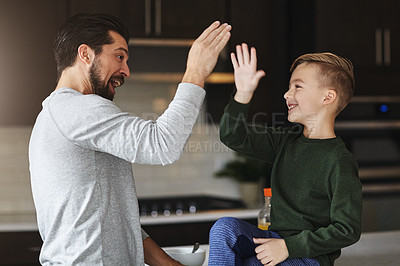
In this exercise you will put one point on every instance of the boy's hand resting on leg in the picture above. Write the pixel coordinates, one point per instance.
(246, 74)
(271, 251)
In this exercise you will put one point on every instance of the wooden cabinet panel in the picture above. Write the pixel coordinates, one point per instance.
(171, 19)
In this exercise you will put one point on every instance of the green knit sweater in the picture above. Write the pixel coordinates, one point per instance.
(316, 192)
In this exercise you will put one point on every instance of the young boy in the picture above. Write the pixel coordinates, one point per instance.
(316, 192)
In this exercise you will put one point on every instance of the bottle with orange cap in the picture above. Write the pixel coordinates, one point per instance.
(264, 216)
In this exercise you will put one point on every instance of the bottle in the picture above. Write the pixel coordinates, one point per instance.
(264, 216)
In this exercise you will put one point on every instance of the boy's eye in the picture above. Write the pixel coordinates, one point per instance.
(120, 57)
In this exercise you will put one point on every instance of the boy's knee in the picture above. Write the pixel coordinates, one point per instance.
(225, 223)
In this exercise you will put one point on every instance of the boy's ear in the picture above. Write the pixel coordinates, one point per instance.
(330, 96)
(85, 54)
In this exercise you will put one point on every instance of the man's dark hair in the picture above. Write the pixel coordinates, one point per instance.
(90, 29)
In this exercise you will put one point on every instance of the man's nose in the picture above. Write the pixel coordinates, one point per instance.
(125, 71)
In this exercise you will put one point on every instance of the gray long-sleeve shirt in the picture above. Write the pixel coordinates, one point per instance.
(80, 156)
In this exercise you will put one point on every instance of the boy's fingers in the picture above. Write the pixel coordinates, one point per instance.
(260, 74)
(253, 57)
(239, 54)
(246, 57)
(260, 240)
(234, 61)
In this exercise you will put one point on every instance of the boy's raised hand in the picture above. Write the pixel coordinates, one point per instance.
(246, 74)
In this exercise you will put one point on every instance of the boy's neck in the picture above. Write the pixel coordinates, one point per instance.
(323, 129)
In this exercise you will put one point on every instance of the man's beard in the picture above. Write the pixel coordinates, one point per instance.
(99, 86)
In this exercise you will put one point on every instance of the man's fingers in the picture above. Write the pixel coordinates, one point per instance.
(209, 30)
(216, 33)
(221, 44)
(220, 36)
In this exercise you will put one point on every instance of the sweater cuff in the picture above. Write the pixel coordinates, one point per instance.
(236, 109)
(190, 92)
(295, 247)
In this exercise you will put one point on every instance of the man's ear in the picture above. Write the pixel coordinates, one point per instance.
(85, 54)
(330, 97)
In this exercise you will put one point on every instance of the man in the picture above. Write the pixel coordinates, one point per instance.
(82, 145)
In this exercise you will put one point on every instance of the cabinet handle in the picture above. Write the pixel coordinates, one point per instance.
(378, 47)
(387, 52)
(147, 17)
(158, 17)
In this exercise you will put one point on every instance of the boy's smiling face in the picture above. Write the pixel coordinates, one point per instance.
(305, 96)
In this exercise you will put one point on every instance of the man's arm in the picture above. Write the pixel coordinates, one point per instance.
(154, 255)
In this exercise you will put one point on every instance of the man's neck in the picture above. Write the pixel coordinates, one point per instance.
(74, 79)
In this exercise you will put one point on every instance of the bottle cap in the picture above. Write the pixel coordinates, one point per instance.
(267, 192)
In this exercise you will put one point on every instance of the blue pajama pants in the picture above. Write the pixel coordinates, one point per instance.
(231, 243)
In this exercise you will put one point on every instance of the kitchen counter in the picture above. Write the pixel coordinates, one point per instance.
(18, 223)
(27, 222)
(201, 216)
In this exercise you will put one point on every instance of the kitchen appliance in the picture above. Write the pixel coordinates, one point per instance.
(370, 128)
(179, 205)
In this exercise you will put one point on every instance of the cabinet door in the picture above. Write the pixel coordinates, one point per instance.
(96, 6)
(350, 29)
(391, 33)
(187, 18)
(137, 15)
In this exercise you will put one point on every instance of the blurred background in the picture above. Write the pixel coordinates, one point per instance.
(366, 32)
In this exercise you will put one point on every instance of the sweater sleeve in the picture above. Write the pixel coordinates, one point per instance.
(97, 124)
(254, 141)
(345, 194)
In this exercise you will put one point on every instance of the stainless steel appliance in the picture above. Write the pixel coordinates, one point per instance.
(370, 127)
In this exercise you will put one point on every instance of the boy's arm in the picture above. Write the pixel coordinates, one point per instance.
(234, 131)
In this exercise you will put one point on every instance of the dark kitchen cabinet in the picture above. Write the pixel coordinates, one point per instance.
(95, 6)
(20, 248)
(159, 18)
(172, 19)
(263, 25)
(366, 32)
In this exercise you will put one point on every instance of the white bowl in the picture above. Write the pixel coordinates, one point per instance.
(186, 257)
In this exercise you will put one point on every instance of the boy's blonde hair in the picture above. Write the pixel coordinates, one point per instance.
(336, 72)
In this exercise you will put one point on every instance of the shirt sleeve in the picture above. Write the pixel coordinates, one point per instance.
(255, 141)
(344, 229)
(97, 124)
(144, 235)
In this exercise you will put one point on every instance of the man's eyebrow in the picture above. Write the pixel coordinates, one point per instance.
(123, 49)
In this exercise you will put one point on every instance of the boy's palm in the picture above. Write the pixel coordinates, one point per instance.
(246, 74)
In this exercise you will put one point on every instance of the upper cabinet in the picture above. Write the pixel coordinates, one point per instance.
(159, 18)
(172, 19)
(366, 32)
